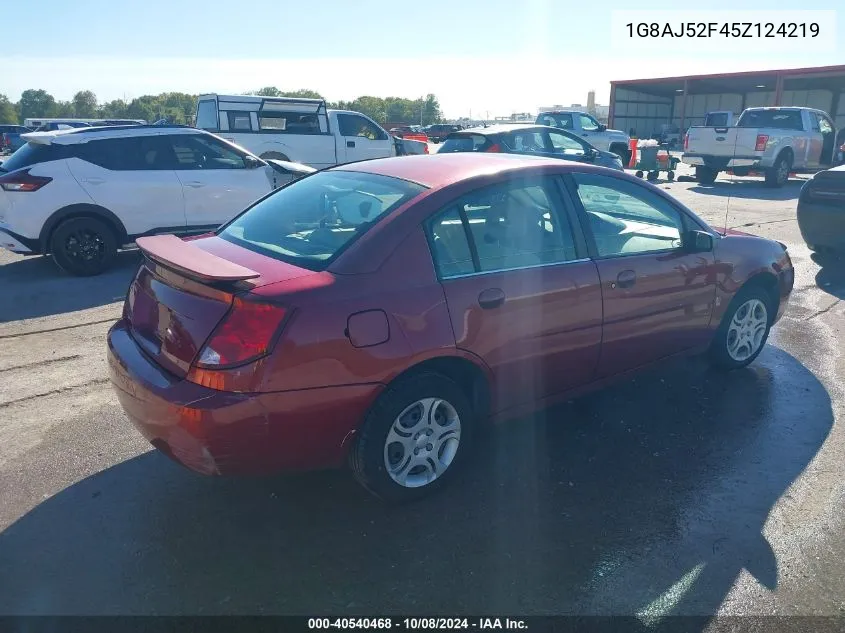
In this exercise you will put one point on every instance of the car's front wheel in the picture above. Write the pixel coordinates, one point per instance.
(414, 438)
(744, 329)
(83, 246)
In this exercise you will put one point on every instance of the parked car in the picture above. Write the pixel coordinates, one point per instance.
(409, 132)
(775, 141)
(439, 131)
(537, 140)
(384, 312)
(81, 194)
(299, 130)
(821, 211)
(10, 137)
(587, 127)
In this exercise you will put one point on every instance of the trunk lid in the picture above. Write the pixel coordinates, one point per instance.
(185, 288)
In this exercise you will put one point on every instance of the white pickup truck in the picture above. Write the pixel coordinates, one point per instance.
(299, 130)
(586, 126)
(775, 141)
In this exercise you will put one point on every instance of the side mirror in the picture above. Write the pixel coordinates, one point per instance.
(698, 242)
(602, 127)
(251, 162)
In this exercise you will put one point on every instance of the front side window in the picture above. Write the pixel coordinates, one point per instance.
(140, 153)
(312, 220)
(566, 145)
(825, 126)
(207, 115)
(588, 123)
(193, 151)
(356, 125)
(625, 218)
(449, 244)
(511, 226)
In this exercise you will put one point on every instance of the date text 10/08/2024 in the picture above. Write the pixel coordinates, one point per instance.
(769, 30)
(419, 624)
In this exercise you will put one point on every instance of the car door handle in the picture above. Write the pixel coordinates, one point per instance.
(626, 279)
(194, 184)
(350, 143)
(94, 181)
(491, 298)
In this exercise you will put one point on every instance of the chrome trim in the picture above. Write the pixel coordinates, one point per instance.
(507, 270)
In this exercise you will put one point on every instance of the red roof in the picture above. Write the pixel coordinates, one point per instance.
(441, 170)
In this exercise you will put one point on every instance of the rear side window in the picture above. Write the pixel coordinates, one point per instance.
(312, 220)
(465, 143)
(207, 115)
(449, 245)
(141, 153)
(32, 154)
(778, 119)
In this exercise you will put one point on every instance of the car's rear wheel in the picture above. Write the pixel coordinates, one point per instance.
(744, 329)
(778, 175)
(83, 246)
(414, 439)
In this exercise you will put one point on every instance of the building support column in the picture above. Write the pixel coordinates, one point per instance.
(778, 90)
(684, 107)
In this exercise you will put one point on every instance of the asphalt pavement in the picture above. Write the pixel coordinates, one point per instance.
(682, 491)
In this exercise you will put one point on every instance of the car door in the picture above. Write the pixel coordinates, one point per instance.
(657, 295)
(361, 139)
(218, 181)
(560, 145)
(815, 141)
(590, 130)
(521, 294)
(133, 178)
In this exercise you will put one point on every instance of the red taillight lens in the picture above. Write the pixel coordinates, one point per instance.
(425, 149)
(244, 335)
(494, 148)
(762, 141)
(686, 141)
(23, 181)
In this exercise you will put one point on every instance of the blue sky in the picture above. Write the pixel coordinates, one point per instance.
(492, 55)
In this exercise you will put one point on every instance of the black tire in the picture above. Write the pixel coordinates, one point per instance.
(83, 246)
(706, 175)
(719, 355)
(367, 457)
(639, 174)
(652, 176)
(623, 153)
(778, 175)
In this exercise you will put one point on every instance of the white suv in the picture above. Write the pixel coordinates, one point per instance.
(81, 194)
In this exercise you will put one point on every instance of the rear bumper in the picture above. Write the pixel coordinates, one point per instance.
(720, 162)
(11, 241)
(220, 433)
(822, 225)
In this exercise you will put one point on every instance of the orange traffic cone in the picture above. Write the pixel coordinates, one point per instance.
(632, 145)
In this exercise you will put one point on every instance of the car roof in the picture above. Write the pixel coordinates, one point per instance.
(501, 128)
(441, 170)
(75, 136)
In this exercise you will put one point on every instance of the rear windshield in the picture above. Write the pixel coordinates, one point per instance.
(717, 120)
(465, 143)
(779, 119)
(312, 220)
(31, 154)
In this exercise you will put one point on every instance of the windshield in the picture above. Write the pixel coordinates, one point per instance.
(30, 154)
(313, 220)
(465, 143)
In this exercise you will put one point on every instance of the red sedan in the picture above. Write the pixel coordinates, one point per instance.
(380, 313)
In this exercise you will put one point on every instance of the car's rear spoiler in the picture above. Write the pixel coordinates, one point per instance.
(191, 261)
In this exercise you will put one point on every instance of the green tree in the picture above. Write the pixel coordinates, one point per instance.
(65, 109)
(147, 107)
(37, 103)
(373, 107)
(431, 110)
(117, 109)
(7, 110)
(303, 94)
(269, 91)
(85, 104)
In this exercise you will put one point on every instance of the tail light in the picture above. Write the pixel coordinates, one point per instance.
(425, 149)
(686, 141)
(23, 181)
(762, 141)
(495, 148)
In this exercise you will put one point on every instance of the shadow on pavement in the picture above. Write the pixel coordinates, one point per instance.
(600, 506)
(750, 189)
(35, 287)
(831, 277)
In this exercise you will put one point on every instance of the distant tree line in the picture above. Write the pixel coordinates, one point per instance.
(179, 107)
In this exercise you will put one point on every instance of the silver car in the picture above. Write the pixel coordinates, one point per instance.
(535, 140)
